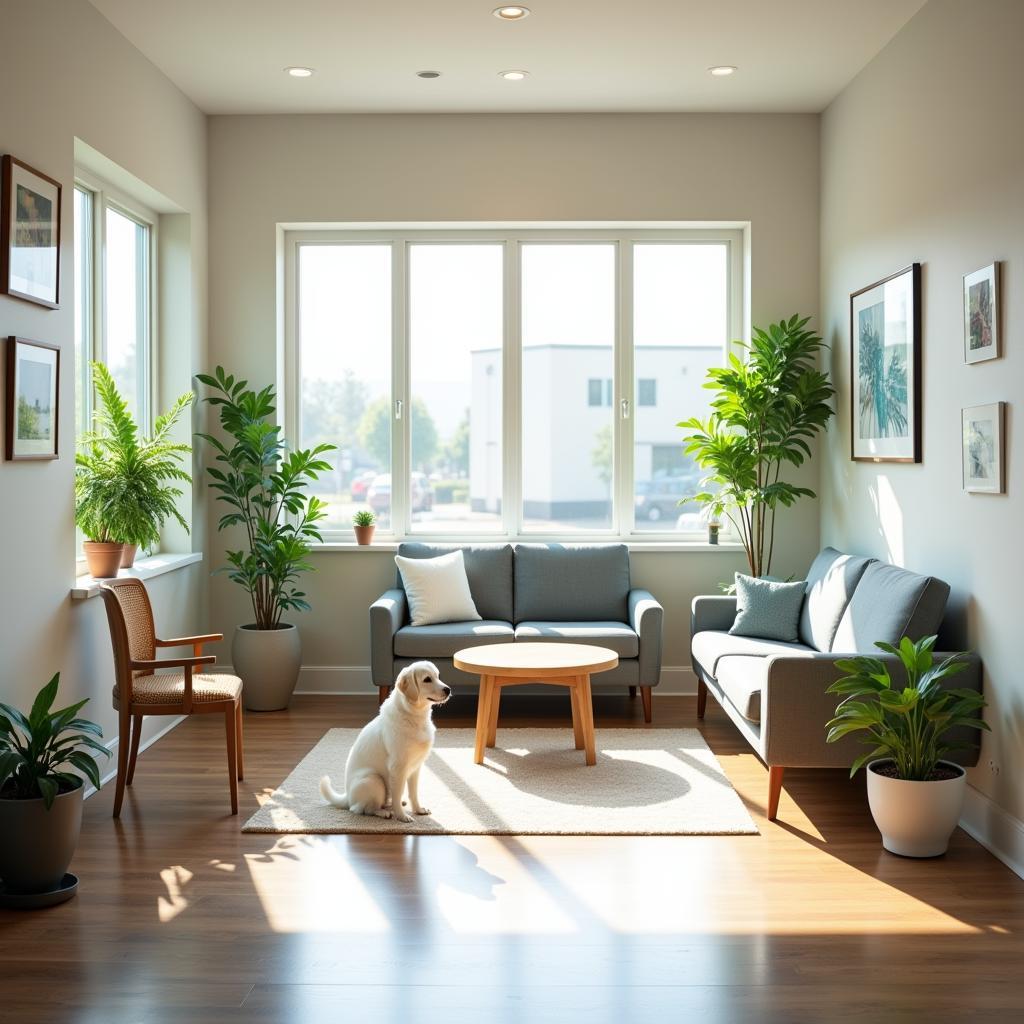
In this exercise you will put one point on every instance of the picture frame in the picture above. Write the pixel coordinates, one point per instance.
(32, 400)
(981, 314)
(983, 448)
(30, 212)
(885, 369)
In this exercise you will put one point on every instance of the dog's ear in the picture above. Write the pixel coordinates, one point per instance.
(408, 682)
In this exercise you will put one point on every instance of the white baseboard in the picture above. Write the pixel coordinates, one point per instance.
(112, 745)
(354, 680)
(997, 830)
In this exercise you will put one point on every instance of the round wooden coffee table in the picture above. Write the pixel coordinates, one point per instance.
(516, 664)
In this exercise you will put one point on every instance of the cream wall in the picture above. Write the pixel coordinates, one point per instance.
(921, 160)
(292, 169)
(67, 73)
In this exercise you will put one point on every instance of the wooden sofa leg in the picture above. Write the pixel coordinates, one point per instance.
(775, 773)
(702, 698)
(645, 694)
(382, 693)
(632, 693)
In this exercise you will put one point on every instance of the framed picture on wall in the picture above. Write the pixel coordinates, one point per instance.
(29, 234)
(32, 399)
(984, 471)
(885, 369)
(981, 314)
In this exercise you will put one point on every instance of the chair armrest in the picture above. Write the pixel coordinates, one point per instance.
(646, 616)
(187, 663)
(387, 616)
(717, 611)
(191, 641)
(795, 708)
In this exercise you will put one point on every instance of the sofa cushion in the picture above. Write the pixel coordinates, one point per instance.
(710, 646)
(445, 638)
(437, 589)
(831, 581)
(616, 636)
(769, 609)
(488, 569)
(888, 604)
(741, 679)
(571, 582)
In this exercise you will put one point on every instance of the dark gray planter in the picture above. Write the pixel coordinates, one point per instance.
(36, 844)
(268, 662)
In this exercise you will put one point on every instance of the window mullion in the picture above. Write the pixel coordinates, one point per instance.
(512, 397)
(401, 398)
(625, 408)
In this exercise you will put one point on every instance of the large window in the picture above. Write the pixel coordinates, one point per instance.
(508, 383)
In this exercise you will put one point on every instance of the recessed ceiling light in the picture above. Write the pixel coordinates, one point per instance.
(513, 76)
(722, 70)
(428, 74)
(511, 13)
(299, 72)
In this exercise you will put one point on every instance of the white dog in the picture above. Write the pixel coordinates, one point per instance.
(390, 751)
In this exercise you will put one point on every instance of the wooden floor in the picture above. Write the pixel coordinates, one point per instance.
(180, 917)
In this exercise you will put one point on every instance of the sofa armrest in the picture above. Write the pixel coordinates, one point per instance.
(712, 611)
(795, 708)
(387, 616)
(646, 617)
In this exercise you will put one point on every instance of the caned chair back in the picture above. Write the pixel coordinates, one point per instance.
(132, 632)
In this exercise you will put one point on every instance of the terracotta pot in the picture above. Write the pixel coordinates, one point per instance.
(916, 819)
(128, 553)
(268, 662)
(364, 534)
(38, 844)
(103, 560)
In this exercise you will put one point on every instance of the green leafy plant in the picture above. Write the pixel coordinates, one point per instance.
(264, 484)
(37, 750)
(123, 482)
(364, 517)
(908, 725)
(766, 411)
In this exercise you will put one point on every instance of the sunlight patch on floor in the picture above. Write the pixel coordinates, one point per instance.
(170, 906)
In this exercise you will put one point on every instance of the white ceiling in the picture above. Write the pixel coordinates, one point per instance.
(582, 55)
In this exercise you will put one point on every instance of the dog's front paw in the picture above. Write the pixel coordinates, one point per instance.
(422, 810)
(404, 818)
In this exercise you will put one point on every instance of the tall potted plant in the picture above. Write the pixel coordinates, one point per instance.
(766, 411)
(41, 754)
(264, 483)
(915, 795)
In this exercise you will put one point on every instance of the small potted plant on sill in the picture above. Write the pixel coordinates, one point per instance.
(915, 795)
(364, 523)
(41, 797)
(263, 483)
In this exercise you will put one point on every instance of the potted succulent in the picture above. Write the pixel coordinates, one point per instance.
(915, 795)
(127, 477)
(41, 796)
(263, 484)
(766, 411)
(364, 523)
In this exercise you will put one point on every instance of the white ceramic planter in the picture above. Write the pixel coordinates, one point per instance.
(268, 662)
(916, 819)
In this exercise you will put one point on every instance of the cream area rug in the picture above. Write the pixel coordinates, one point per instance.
(645, 782)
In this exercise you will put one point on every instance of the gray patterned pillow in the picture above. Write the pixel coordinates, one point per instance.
(768, 609)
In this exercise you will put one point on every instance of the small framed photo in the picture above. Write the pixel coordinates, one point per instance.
(984, 471)
(885, 369)
(981, 314)
(32, 399)
(29, 234)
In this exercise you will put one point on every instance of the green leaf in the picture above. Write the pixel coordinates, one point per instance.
(48, 790)
(44, 701)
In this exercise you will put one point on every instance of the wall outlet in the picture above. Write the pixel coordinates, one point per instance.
(993, 767)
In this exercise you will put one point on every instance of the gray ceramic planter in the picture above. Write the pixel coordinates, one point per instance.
(268, 662)
(36, 844)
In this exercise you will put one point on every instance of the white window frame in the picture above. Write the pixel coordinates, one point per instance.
(104, 196)
(733, 235)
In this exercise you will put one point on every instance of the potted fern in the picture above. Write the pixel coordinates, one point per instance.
(43, 756)
(915, 794)
(263, 483)
(765, 413)
(124, 481)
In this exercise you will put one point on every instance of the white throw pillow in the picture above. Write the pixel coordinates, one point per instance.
(437, 589)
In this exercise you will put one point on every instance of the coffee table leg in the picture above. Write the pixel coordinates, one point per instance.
(492, 716)
(483, 707)
(587, 717)
(577, 724)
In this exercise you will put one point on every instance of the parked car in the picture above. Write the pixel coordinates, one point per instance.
(361, 484)
(421, 493)
(659, 498)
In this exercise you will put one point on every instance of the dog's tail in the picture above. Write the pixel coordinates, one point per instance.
(328, 792)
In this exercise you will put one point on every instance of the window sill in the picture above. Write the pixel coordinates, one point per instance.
(635, 546)
(144, 569)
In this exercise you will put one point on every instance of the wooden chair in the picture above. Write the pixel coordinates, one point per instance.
(141, 687)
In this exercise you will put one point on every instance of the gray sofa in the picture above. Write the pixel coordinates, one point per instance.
(774, 692)
(531, 592)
